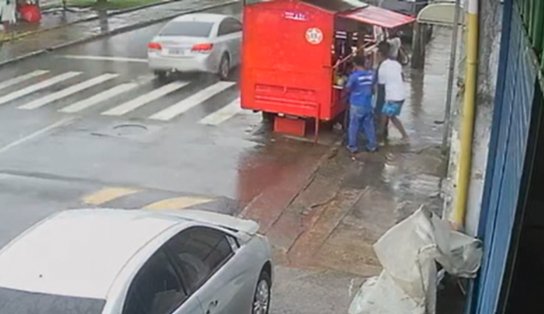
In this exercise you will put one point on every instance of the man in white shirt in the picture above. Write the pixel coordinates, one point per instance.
(7, 13)
(390, 75)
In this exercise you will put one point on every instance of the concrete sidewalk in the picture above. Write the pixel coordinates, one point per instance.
(50, 20)
(327, 230)
(54, 16)
(59, 30)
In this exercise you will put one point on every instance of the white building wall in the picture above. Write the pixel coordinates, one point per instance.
(490, 31)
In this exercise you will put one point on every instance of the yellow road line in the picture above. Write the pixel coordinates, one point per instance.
(177, 202)
(107, 194)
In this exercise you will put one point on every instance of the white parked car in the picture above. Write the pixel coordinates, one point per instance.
(199, 42)
(101, 261)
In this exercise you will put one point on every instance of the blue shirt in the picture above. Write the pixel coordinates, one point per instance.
(360, 84)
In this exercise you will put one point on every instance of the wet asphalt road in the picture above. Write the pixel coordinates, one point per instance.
(53, 156)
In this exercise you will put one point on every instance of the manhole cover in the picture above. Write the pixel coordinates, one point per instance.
(129, 129)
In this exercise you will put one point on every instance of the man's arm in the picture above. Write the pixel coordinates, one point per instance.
(349, 85)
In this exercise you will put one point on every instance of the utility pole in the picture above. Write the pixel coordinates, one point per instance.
(453, 58)
(419, 37)
(418, 45)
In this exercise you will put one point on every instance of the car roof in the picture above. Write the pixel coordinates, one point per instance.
(201, 17)
(80, 252)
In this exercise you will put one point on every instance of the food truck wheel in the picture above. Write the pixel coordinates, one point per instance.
(268, 116)
(224, 67)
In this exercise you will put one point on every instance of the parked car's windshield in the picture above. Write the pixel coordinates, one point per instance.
(188, 29)
(22, 302)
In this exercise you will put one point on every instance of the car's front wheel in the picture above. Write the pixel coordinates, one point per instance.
(224, 67)
(261, 298)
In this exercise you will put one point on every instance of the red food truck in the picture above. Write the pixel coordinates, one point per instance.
(296, 55)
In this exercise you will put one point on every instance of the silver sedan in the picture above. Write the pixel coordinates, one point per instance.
(197, 43)
(105, 261)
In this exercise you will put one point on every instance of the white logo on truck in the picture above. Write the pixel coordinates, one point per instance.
(314, 35)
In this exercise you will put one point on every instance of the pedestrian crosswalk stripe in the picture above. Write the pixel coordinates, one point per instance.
(22, 78)
(178, 203)
(40, 102)
(223, 114)
(191, 101)
(107, 194)
(98, 98)
(144, 99)
(32, 83)
(38, 86)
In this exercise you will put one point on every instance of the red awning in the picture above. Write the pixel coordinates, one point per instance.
(377, 16)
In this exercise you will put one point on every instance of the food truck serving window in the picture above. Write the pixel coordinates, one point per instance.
(377, 16)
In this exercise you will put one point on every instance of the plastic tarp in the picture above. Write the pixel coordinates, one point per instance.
(380, 17)
(409, 253)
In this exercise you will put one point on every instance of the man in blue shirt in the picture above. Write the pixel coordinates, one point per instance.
(360, 88)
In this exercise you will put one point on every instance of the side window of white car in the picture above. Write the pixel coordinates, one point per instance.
(229, 26)
(223, 28)
(156, 289)
(199, 252)
(236, 26)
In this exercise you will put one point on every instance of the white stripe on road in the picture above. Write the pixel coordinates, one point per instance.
(40, 102)
(98, 98)
(104, 58)
(35, 134)
(22, 78)
(36, 87)
(192, 101)
(144, 99)
(223, 114)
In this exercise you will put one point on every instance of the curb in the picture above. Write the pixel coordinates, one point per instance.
(122, 29)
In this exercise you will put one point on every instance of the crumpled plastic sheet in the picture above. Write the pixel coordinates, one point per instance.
(409, 253)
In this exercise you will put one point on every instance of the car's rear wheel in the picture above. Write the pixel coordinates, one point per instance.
(161, 75)
(261, 299)
(224, 67)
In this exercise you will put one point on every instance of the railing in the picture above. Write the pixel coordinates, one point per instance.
(532, 14)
